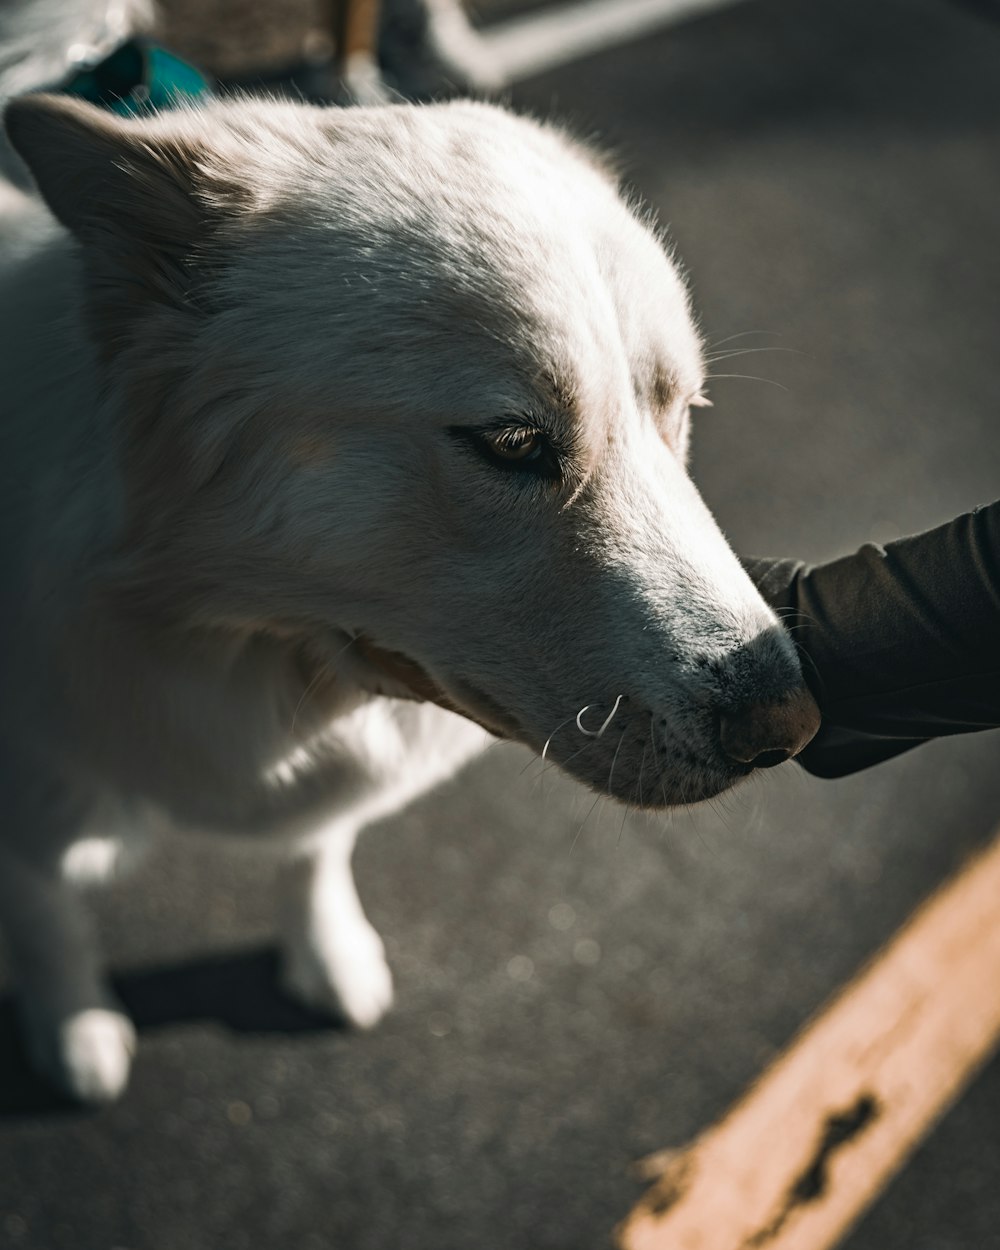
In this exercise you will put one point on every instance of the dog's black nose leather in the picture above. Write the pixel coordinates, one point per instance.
(763, 735)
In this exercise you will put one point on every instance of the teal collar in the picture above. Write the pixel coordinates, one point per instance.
(138, 77)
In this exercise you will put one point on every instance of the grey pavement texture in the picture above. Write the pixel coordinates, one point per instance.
(576, 989)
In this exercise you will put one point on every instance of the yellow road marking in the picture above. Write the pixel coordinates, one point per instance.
(795, 1163)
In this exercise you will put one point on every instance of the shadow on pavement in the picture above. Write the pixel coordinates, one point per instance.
(239, 992)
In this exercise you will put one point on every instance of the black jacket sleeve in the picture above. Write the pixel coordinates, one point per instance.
(899, 643)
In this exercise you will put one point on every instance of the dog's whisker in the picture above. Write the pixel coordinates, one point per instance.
(550, 764)
(491, 746)
(589, 733)
(590, 811)
(806, 659)
(748, 377)
(311, 685)
(318, 677)
(621, 831)
(614, 760)
(692, 811)
(743, 334)
(748, 351)
(548, 740)
(783, 613)
(716, 805)
(346, 647)
(598, 733)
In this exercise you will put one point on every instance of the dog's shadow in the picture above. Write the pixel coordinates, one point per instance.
(239, 992)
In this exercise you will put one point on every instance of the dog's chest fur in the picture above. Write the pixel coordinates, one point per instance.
(247, 736)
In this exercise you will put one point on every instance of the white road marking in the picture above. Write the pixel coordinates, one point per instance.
(524, 46)
(794, 1164)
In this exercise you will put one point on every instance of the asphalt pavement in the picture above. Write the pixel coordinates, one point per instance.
(575, 988)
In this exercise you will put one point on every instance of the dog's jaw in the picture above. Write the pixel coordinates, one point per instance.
(417, 684)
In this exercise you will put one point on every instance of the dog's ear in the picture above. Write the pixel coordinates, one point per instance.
(98, 172)
(143, 196)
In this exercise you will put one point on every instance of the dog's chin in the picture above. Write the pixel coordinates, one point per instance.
(679, 772)
(659, 792)
(697, 789)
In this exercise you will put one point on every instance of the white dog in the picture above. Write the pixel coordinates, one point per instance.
(309, 415)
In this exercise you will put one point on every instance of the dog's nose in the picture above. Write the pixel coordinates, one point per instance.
(765, 734)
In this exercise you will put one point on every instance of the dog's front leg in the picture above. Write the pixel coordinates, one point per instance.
(74, 1032)
(332, 958)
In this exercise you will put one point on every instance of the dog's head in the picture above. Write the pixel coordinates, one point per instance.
(422, 378)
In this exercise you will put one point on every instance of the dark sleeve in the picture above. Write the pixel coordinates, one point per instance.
(900, 643)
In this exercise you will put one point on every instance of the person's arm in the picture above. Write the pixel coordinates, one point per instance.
(900, 643)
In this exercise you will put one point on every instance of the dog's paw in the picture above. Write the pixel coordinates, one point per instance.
(343, 974)
(87, 1054)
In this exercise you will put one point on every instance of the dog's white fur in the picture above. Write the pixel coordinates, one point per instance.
(248, 359)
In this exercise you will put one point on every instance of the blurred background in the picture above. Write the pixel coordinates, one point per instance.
(575, 987)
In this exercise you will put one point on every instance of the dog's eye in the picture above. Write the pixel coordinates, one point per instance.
(515, 448)
(516, 445)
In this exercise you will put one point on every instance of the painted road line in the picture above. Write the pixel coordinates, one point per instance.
(524, 46)
(794, 1164)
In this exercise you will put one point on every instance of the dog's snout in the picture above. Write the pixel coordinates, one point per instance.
(762, 735)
